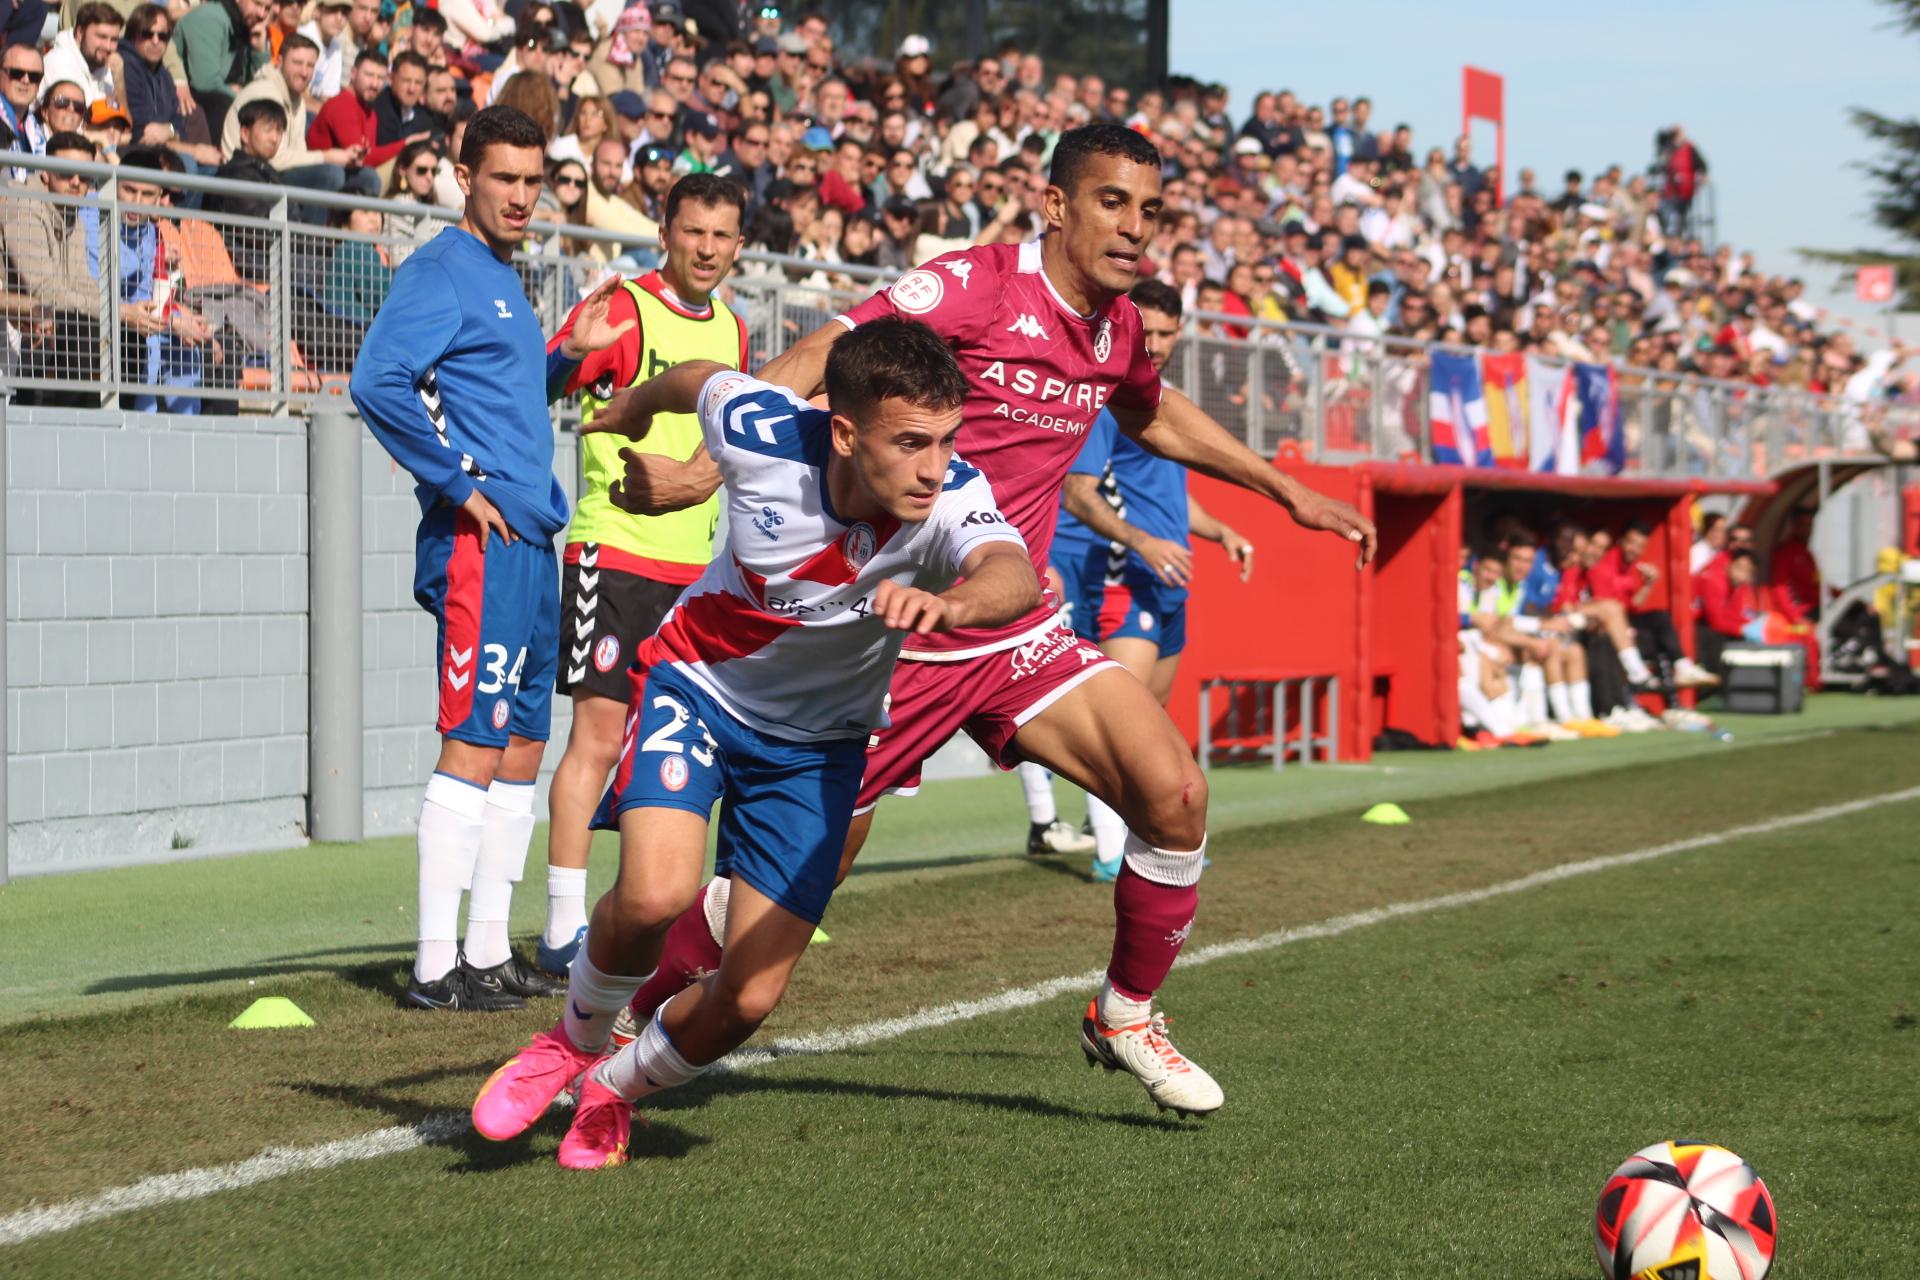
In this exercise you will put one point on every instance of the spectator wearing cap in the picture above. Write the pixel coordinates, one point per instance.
(663, 40)
(84, 53)
(790, 65)
(617, 64)
(329, 34)
(704, 144)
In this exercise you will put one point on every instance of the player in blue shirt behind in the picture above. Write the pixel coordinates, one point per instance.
(1122, 551)
(454, 379)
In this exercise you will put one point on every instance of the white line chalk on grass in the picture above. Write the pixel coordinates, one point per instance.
(274, 1163)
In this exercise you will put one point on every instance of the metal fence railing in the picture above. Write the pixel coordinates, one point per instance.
(275, 289)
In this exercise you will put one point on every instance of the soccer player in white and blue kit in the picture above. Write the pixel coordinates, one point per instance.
(759, 692)
(454, 379)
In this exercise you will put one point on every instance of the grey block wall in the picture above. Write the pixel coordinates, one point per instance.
(156, 636)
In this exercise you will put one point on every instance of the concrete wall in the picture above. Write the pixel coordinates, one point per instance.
(157, 638)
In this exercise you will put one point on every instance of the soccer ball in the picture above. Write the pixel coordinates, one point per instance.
(1684, 1211)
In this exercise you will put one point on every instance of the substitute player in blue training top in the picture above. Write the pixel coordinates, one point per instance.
(1121, 550)
(759, 692)
(454, 379)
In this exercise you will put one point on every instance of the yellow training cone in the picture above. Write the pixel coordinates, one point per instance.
(271, 1011)
(819, 936)
(1387, 815)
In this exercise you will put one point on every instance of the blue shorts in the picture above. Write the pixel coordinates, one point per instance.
(1081, 571)
(1138, 609)
(787, 805)
(499, 634)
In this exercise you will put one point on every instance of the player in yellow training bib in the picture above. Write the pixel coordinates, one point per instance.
(624, 571)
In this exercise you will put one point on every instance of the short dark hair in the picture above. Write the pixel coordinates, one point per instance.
(499, 125)
(68, 140)
(294, 44)
(708, 190)
(96, 14)
(1711, 521)
(430, 20)
(150, 159)
(262, 109)
(369, 54)
(1157, 295)
(892, 359)
(1640, 527)
(1743, 553)
(1078, 146)
(408, 58)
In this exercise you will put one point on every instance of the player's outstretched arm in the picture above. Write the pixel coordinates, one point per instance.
(1209, 526)
(999, 587)
(653, 484)
(1181, 430)
(1170, 562)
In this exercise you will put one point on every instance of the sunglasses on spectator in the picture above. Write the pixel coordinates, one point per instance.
(21, 73)
(575, 183)
(659, 115)
(158, 33)
(66, 104)
(683, 78)
(422, 170)
(748, 140)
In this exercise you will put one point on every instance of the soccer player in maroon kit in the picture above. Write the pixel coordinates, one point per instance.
(1047, 338)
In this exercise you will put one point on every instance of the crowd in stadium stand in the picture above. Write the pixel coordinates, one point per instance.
(1276, 209)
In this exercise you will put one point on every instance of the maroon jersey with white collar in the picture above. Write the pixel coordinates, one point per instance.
(1038, 374)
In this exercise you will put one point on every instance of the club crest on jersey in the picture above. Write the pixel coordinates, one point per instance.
(606, 653)
(673, 773)
(859, 545)
(500, 713)
(917, 292)
(1103, 341)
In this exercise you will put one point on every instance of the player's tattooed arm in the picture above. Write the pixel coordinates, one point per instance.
(1179, 429)
(999, 586)
(1170, 562)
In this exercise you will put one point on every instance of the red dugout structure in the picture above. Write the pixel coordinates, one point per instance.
(1388, 632)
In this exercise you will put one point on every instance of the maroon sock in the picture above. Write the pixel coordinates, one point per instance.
(690, 951)
(1151, 924)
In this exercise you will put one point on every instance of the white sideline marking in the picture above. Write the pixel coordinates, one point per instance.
(194, 1184)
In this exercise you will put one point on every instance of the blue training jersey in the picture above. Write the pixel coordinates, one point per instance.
(453, 379)
(1148, 491)
(1542, 585)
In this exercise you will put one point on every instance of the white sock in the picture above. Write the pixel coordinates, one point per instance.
(1561, 701)
(502, 861)
(594, 1000)
(1635, 665)
(1109, 829)
(1038, 785)
(1118, 1011)
(451, 823)
(1533, 693)
(1503, 714)
(1581, 693)
(566, 904)
(648, 1065)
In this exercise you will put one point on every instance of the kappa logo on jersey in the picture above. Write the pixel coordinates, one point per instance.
(767, 521)
(501, 304)
(606, 653)
(1103, 341)
(917, 292)
(859, 545)
(673, 773)
(961, 268)
(459, 670)
(500, 713)
(1028, 327)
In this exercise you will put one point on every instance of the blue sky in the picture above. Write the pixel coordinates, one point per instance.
(1763, 87)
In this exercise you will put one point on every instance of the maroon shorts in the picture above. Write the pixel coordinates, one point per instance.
(990, 695)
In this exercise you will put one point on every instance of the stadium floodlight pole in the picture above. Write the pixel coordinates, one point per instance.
(335, 728)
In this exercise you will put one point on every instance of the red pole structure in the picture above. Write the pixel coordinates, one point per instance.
(1483, 97)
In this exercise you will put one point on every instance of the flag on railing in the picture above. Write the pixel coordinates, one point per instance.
(1506, 384)
(1603, 437)
(1458, 412)
(1552, 445)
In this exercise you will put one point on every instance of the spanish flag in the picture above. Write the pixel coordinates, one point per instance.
(1505, 377)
